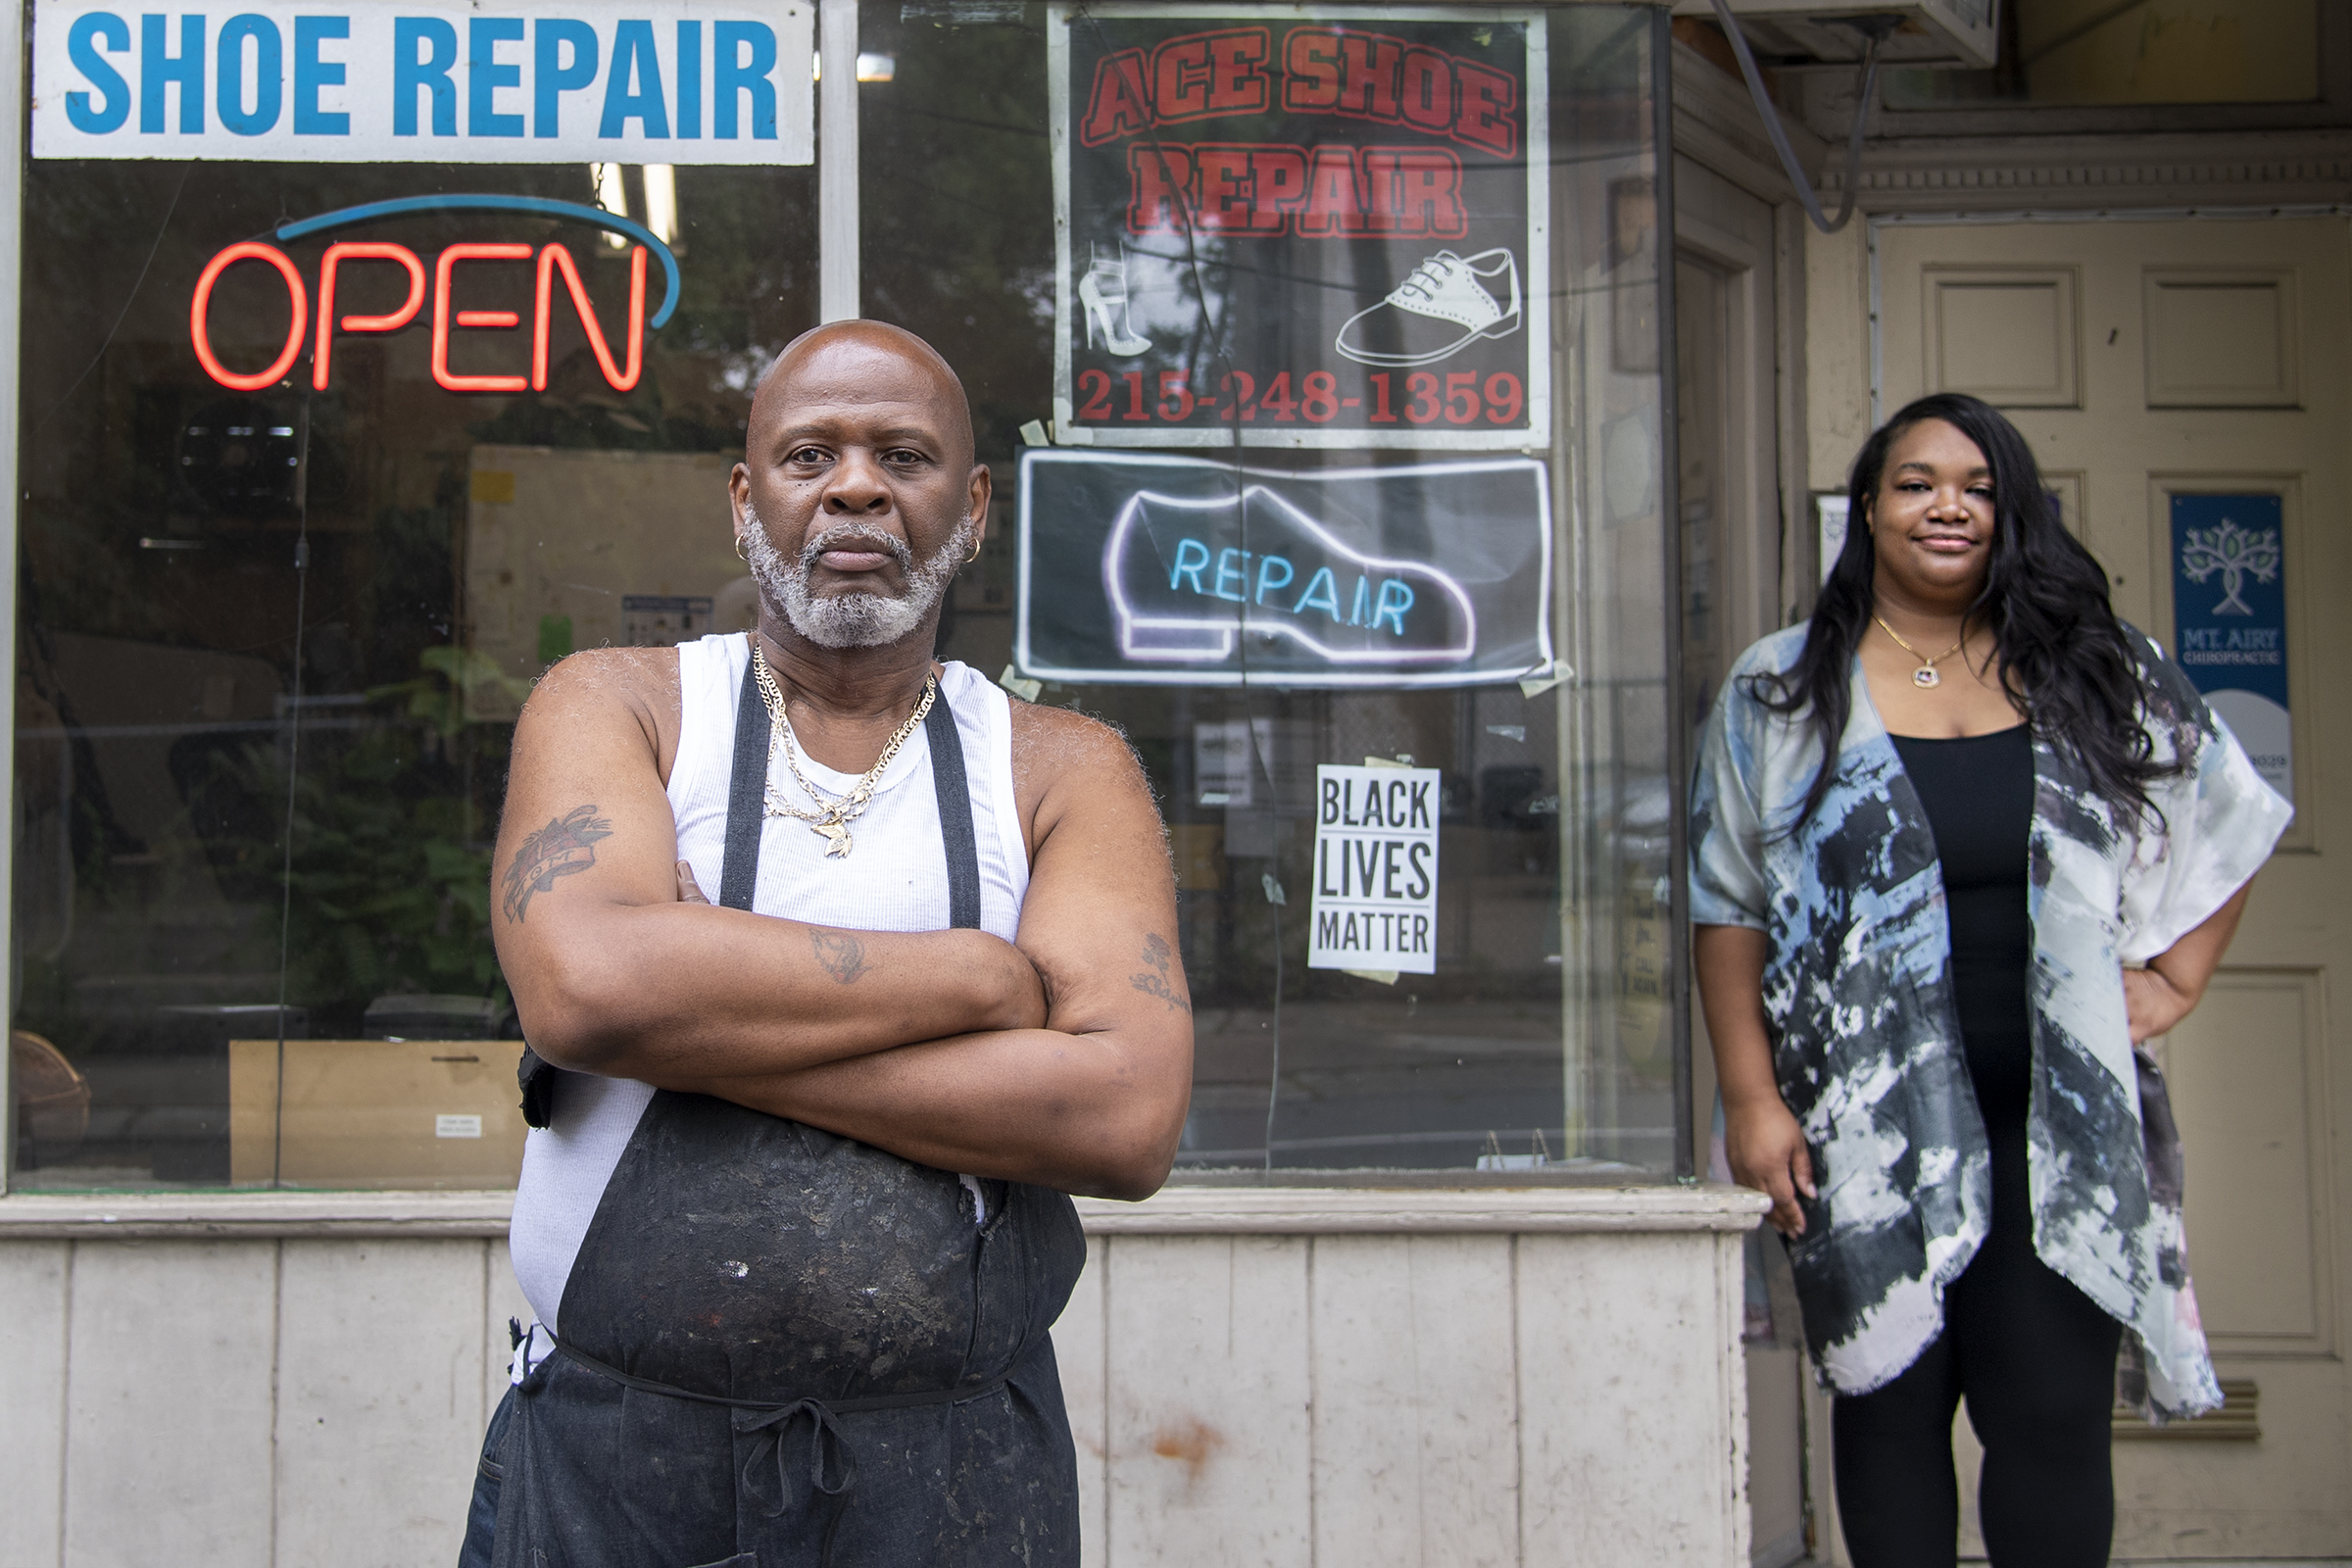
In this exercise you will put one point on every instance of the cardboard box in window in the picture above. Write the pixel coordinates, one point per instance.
(377, 1113)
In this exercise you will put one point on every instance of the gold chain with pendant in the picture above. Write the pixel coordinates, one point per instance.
(1925, 675)
(831, 819)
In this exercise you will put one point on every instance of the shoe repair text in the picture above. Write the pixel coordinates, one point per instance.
(1323, 70)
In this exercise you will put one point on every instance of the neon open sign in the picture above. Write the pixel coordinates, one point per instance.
(551, 260)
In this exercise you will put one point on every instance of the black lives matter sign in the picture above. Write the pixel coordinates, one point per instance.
(1300, 232)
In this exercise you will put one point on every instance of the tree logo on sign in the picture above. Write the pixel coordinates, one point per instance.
(2236, 554)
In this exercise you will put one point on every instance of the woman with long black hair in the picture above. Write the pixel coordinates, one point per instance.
(1960, 843)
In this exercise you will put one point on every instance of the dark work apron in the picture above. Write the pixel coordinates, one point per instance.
(781, 1347)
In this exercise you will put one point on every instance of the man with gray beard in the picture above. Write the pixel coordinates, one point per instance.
(792, 1219)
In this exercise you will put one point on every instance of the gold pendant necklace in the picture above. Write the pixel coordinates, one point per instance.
(832, 818)
(1925, 675)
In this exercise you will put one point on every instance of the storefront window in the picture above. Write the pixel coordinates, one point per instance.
(321, 465)
(1431, 538)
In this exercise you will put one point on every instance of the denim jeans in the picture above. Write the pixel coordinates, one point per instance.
(481, 1518)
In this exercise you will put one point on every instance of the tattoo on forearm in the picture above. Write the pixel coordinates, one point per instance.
(1161, 981)
(839, 954)
(567, 845)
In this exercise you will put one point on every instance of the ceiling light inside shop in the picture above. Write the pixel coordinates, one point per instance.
(662, 202)
(612, 195)
(871, 67)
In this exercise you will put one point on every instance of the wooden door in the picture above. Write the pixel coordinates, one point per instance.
(2169, 373)
(1731, 544)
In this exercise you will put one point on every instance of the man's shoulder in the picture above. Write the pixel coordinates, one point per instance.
(624, 677)
(1054, 748)
(607, 693)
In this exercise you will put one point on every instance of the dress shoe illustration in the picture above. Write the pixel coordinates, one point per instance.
(1447, 304)
(1104, 293)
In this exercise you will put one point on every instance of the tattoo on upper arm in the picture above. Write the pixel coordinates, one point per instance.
(840, 954)
(1160, 980)
(567, 845)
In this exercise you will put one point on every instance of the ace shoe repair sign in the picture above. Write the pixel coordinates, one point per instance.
(1289, 232)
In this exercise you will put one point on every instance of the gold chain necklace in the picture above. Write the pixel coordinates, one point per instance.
(1925, 674)
(831, 820)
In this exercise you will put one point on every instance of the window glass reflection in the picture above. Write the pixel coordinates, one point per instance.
(273, 637)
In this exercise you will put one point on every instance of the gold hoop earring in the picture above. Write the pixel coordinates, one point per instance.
(974, 556)
(739, 555)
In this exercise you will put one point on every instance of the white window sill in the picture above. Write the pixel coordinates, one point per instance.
(1174, 1211)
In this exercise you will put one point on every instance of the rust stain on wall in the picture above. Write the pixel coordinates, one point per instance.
(1191, 1442)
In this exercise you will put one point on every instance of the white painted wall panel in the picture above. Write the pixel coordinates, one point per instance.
(1415, 1405)
(379, 1401)
(168, 1426)
(503, 1303)
(1629, 1430)
(32, 1399)
(1404, 1378)
(1078, 1344)
(1210, 1459)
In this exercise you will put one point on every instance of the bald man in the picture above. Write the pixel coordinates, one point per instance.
(839, 971)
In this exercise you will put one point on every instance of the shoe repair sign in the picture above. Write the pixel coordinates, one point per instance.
(1148, 568)
(1287, 231)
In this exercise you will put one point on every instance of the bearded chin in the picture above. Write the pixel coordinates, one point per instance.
(852, 619)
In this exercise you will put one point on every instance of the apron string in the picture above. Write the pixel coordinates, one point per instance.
(771, 1419)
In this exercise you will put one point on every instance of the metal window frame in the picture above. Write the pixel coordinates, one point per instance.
(12, 203)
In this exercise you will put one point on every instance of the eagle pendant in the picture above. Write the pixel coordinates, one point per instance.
(839, 835)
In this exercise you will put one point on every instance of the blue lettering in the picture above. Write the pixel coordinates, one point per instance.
(93, 30)
(1322, 591)
(424, 49)
(690, 79)
(1363, 596)
(1267, 582)
(158, 70)
(268, 74)
(485, 74)
(311, 73)
(550, 79)
(633, 87)
(731, 77)
(1395, 598)
(1190, 556)
(1226, 569)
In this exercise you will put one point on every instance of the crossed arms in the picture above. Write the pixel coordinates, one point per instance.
(1063, 1061)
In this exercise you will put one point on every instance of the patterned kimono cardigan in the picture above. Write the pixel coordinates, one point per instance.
(1865, 1041)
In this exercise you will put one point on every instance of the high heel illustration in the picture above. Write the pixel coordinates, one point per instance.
(1103, 292)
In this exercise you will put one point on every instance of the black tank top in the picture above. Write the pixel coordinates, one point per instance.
(1979, 796)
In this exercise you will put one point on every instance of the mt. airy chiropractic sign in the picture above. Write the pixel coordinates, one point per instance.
(668, 82)
(2230, 619)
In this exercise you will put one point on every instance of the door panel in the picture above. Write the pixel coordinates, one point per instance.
(2146, 361)
(1731, 543)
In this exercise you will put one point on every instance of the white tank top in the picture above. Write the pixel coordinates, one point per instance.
(895, 879)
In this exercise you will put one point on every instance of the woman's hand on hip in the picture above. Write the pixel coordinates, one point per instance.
(1767, 1152)
(2153, 1004)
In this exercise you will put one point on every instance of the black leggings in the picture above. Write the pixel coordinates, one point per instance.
(2036, 1360)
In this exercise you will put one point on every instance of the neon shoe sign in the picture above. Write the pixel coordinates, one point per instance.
(1307, 588)
(621, 373)
(1160, 570)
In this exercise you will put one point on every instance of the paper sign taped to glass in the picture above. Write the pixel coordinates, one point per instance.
(1310, 232)
(1148, 569)
(1374, 905)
